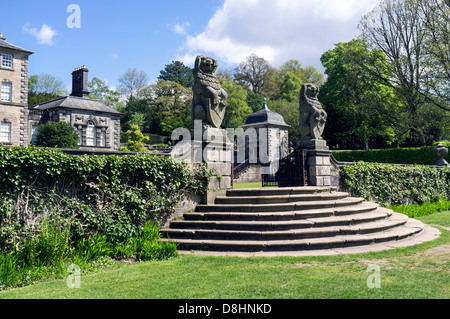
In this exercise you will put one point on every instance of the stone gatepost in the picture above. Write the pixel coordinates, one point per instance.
(214, 149)
(313, 117)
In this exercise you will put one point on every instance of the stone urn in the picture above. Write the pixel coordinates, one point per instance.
(441, 152)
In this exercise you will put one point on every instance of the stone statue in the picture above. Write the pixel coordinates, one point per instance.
(312, 115)
(441, 152)
(210, 100)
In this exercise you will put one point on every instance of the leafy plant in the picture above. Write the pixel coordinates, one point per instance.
(397, 185)
(57, 134)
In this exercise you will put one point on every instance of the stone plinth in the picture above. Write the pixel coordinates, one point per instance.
(214, 149)
(320, 168)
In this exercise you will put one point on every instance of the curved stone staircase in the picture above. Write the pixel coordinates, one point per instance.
(293, 221)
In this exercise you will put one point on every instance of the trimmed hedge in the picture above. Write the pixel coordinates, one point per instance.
(396, 185)
(420, 156)
(111, 195)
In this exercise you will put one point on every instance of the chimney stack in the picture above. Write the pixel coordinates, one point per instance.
(80, 82)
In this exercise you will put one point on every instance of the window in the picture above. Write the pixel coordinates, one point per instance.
(103, 138)
(34, 134)
(6, 92)
(7, 60)
(91, 136)
(80, 136)
(5, 132)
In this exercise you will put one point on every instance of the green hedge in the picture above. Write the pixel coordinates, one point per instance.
(111, 195)
(396, 185)
(419, 156)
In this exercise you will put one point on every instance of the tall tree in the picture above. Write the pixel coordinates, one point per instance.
(99, 90)
(436, 16)
(132, 83)
(237, 108)
(363, 110)
(178, 72)
(255, 74)
(43, 88)
(290, 77)
(170, 106)
(397, 28)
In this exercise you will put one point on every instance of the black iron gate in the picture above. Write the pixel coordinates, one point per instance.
(293, 171)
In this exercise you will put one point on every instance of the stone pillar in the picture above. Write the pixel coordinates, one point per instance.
(215, 150)
(319, 165)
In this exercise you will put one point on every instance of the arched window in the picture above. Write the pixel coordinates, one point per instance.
(91, 134)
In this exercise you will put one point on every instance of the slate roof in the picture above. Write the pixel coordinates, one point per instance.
(78, 103)
(7, 45)
(265, 117)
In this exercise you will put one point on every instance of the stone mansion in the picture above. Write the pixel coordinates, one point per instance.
(97, 125)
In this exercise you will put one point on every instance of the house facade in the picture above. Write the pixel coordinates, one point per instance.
(97, 125)
(14, 128)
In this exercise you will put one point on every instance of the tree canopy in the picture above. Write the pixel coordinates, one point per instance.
(178, 72)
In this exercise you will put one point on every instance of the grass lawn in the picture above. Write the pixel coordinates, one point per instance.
(247, 185)
(418, 272)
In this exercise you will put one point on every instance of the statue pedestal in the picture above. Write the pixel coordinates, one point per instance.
(318, 161)
(215, 150)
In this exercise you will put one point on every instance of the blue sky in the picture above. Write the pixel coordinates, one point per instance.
(147, 35)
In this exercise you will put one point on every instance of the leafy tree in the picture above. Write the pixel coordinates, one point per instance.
(43, 88)
(58, 135)
(46, 83)
(255, 74)
(137, 111)
(436, 16)
(132, 83)
(398, 29)
(237, 108)
(255, 101)
(100, 91)
(170, 106)
(291, 76)
(290, 113)
(362, 110)
(135, 140)
(178, 72)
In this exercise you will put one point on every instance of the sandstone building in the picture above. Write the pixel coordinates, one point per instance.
(97, 125)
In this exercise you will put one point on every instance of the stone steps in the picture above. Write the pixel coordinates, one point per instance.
(287, 220)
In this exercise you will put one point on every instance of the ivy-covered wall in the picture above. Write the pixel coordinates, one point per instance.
(396, 185)
(110, 194)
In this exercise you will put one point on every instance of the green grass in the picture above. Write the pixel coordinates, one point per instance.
(248, 185)
(417, 272)
(426, 209)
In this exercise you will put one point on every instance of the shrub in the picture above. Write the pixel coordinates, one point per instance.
(58, 135)
(397, 185)
(112, 195)
(419, 156)
(135, 140)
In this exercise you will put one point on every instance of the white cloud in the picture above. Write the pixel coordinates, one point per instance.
(114, 55)
(181, 28)
(276, 30)
(44, 36)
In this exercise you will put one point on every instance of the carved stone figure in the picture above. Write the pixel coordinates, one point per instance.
(312, 116)
(210, 100)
